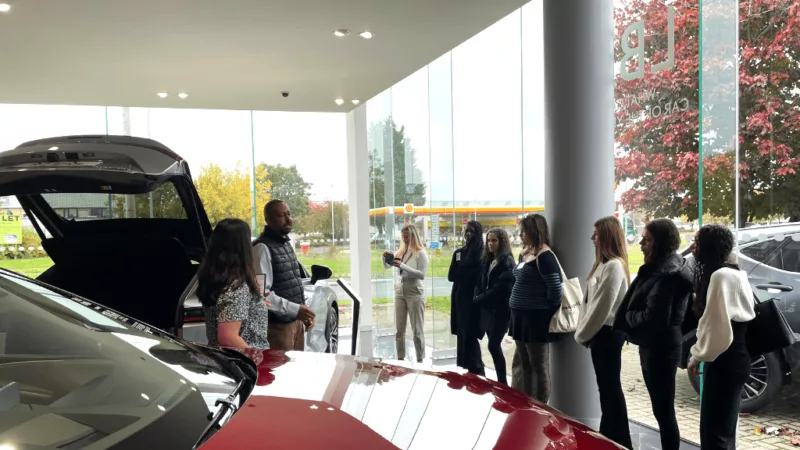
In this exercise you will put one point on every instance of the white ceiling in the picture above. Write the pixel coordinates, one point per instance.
(226, 54)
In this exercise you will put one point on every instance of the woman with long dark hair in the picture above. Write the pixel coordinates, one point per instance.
(607, 285)
(724, 303)
(492, 294)
(535, 298)
(235, 311)
(651, 315)
(465, 315)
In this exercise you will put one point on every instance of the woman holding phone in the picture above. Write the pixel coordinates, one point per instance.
(234, 306)
(411, 262)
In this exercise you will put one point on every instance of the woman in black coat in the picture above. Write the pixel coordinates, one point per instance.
(651, 315)
(492, 293)
(465, 316)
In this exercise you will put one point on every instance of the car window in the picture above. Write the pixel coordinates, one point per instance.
(163, 203)
(781, 252)
(765, 252)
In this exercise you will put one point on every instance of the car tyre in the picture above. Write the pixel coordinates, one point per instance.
(766, 381)
(332, 330)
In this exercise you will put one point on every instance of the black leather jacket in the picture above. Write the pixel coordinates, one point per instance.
(653, 309)
(494, 290)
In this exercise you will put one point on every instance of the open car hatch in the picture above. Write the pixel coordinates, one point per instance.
(119, 216)
(84, 164)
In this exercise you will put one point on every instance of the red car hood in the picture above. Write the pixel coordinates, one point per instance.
(313, 401)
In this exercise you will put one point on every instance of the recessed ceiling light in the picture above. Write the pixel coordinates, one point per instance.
(367, 34)
(183, 95)
(355, 101)
(341, 32)
(339, 101)
(162, 94)
(5, 7)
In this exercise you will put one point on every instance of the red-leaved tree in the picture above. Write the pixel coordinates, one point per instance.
(657, 116)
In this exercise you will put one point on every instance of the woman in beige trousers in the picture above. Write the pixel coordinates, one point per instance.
(411, 260)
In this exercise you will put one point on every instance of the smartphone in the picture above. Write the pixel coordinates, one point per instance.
(388, 258)
(261, 279)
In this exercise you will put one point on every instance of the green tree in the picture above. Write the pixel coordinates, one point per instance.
(395, 178)
(288, 185)
(318, 221)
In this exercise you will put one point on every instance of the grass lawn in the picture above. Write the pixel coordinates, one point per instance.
(438, 303)
(32, 267)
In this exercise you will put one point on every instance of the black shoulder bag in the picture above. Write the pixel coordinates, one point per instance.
(769, 331)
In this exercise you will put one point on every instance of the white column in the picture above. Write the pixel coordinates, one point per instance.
(579, 167)
(358, 200)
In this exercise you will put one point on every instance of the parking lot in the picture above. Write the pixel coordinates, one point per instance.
(783, 413)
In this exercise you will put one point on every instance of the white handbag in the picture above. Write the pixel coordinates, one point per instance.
(566, 318)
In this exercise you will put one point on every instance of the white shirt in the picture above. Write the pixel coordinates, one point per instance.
(605, 290)
(729, 298)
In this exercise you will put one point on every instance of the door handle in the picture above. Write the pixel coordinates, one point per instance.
(777, 287)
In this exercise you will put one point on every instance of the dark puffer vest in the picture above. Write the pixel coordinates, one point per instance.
(287, 278)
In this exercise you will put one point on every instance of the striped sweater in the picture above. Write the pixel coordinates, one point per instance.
(537, 288)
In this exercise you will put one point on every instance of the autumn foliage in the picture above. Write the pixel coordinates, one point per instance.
(658, 154)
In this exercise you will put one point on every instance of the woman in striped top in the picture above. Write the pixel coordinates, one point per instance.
(535, 298)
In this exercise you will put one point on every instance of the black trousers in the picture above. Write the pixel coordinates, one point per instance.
(659, 367)
(496, 333)
(723, 382)
(606, 349)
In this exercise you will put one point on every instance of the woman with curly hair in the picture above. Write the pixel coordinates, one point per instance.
(724, 304)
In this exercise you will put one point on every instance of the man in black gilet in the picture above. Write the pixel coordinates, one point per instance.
(273, 256)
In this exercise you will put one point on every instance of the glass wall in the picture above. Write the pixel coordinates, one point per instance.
(725, 154)
(223, 148)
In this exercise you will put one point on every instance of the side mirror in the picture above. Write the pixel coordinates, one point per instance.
(320, 273)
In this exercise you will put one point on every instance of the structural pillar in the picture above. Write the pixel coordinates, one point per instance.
(579, 167)
(358, 201)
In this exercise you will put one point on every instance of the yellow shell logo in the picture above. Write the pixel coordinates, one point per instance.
(408, 208)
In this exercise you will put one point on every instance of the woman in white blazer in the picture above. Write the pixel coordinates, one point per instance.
(606, 287)
(724, 304)
(411, 262)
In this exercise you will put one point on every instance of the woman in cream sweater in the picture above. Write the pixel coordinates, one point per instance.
(606, 287)
(724, 304)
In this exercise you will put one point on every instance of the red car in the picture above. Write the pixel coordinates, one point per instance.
(76, 374)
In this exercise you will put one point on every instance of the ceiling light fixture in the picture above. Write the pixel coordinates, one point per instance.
(367, 34)
(162, 94)
(183, 95)
(339, 101)
(341, 32)
(355, 101)
(5, 7)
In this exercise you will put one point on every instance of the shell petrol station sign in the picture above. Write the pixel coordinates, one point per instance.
(408, 208)
(10, 229)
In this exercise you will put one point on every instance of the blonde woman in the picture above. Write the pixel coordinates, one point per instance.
(606, 287)
(411, 262)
